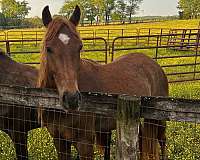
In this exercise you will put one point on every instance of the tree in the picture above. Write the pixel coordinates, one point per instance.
(67, 9)
(120, 10)
(108, 7)
(14, 10)
(69, 6)
(132, 7)
(94, 9)
(2, 20)
(99, 9)
(90, 12)
(33, 22)
(89, 9)
(190, 8)
(8, 8)
(22, 9)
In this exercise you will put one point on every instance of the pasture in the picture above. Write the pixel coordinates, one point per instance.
(183, 138)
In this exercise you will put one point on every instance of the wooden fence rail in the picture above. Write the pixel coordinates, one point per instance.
(127, 109)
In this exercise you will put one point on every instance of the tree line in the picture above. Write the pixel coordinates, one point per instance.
(189, 9)
(102, 10)
(14, 13)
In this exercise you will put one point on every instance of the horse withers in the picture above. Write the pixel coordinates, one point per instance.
(17, 120)
(62, 68)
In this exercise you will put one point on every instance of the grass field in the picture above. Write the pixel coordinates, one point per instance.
(102, 31)
(183, 138)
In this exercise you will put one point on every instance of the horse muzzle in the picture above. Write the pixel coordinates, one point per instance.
(71, 101)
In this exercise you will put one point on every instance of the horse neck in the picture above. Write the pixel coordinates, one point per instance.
(87, 65)
(88, 75)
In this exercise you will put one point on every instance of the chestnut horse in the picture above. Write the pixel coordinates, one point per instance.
(62, 68)
(14, 73)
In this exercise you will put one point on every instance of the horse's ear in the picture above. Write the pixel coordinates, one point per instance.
(46, 16)
(75, 17)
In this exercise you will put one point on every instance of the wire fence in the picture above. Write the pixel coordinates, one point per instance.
(99, 113)
(89, 130)
(27, 50)
(179, 58)
(177, 52)
(108, 34)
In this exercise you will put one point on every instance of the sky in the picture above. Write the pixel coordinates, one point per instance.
(147, 8)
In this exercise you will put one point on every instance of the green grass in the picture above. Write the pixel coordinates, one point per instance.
(183, 138)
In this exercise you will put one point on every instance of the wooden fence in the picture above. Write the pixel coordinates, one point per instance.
(127, 109)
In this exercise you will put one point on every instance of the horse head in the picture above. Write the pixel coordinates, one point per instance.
(60, 59)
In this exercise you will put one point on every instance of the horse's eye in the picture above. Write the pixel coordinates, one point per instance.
(49, 50)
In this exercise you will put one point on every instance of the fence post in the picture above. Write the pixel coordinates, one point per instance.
(157, 43)
(149, 36)
(122, 36)
(108, 36)
(196, 55)
(183, 38)
(8, 47)
(128, 114)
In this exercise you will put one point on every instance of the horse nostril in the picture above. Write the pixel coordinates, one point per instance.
(71, 101)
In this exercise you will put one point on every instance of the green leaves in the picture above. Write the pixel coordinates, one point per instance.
(102, 9)
(189, 8)
(14, 11)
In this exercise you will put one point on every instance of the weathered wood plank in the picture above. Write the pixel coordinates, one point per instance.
(128, 115)
(151, 107)
(30, 96)
(160, 108)
(92, 102)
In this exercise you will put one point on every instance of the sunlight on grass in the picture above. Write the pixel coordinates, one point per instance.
(183, 138)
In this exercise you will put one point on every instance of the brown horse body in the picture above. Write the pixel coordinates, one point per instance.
(62, 68)
(132, 74)
(15, 73)
(17, 121)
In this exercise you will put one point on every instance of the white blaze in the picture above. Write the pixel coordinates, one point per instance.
(64, 38)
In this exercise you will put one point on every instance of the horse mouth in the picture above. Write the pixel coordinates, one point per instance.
(72, 101)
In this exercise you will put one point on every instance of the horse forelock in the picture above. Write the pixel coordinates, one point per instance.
(55, 25)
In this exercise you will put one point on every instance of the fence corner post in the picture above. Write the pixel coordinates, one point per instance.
(128, 114)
